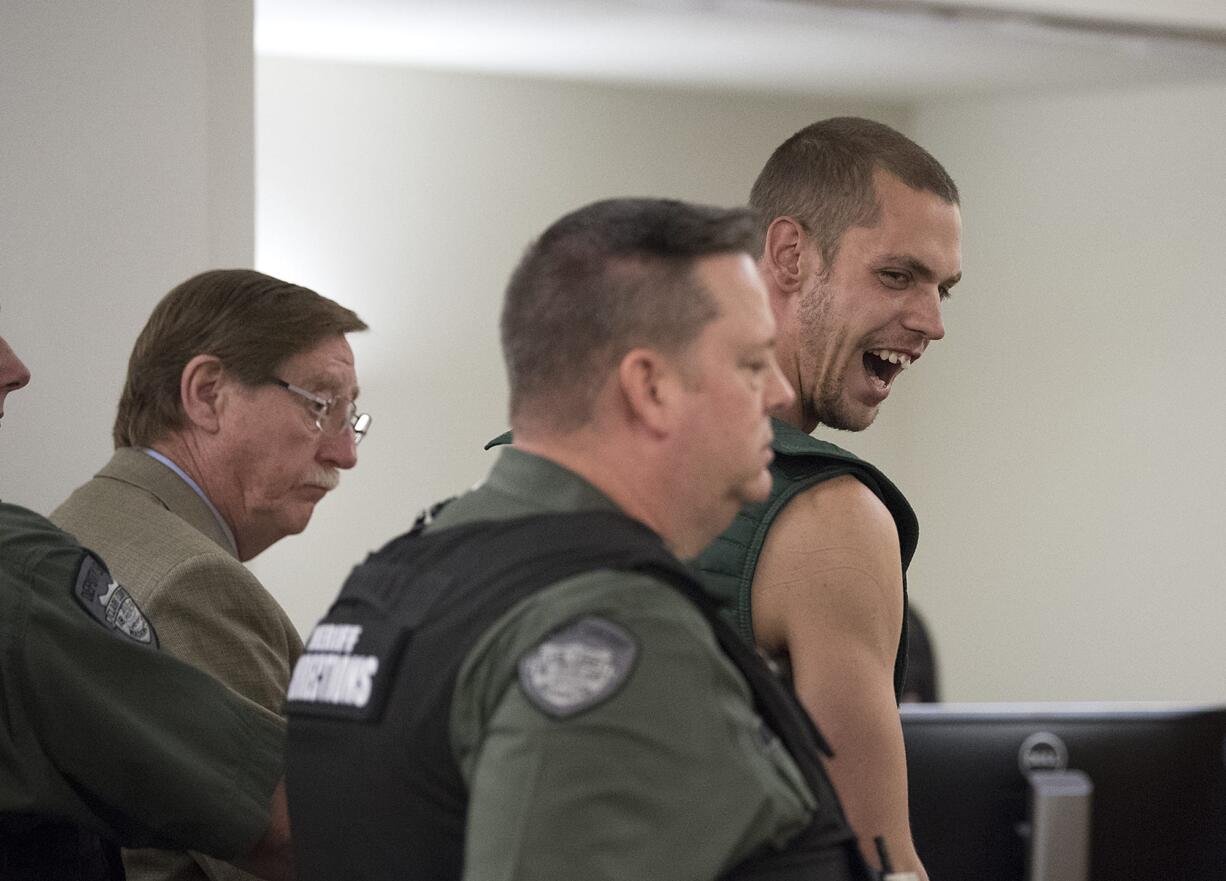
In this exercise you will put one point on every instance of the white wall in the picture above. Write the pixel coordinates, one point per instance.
(1063, 445)
(409, 196)
(128, 166)
(1067, 445)
(1065, 553)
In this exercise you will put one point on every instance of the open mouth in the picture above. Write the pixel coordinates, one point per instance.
(885, 364)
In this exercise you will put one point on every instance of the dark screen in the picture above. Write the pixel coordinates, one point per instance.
(1158, 811)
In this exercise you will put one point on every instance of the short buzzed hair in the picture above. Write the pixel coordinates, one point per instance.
(249, 321)
(823, 177)
(603, 280)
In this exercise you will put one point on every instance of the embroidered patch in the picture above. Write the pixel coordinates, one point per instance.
(110, 603)
(346, 670)
(575, 668)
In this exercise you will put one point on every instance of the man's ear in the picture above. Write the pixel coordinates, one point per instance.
(783, 257)
(200, 388)
(649, 385)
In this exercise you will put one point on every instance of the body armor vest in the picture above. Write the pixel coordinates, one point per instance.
(381, 751)
(728, 564)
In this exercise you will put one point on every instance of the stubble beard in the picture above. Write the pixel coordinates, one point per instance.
(826, 403)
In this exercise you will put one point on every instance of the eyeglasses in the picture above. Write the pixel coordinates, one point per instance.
(332, 415)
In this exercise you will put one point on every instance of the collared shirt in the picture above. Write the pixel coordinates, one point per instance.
(522, 484)
(221, 521)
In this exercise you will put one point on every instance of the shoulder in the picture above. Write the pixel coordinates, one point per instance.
(16, 516)
(102, 508)
(842, 508)
(791, 441)
(31, 545)
(182, 578)
(803, 462)
(634, 597)
(146, 543)
(640, 603)
(830, 562)
(206, 566)
(21, 528)
(831, 531)
(482, 503)
(36, 559)
(625, 617)
(118, 483)
(49, 569)
(135, 496)
(209, 592)
(105, 498)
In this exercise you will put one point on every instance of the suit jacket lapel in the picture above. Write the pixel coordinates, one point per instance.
(132, 466)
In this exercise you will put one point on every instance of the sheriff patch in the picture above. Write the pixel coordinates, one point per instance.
(575, 668)
(110, 604)
(345, 670)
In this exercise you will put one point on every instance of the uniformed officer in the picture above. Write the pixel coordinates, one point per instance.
(105, 740)
(530, 685)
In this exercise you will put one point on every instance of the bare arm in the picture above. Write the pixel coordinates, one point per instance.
(273, 856)
(827, 593)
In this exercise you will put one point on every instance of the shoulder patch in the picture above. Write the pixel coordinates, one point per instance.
(109, 602)
(347, 670)
(577, 667)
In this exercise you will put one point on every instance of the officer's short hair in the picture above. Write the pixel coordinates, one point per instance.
(822, 176)
(250, 321)
(605, 279)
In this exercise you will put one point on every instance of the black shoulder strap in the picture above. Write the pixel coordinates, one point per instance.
(462, 578)
(531, 552)
(607, 540)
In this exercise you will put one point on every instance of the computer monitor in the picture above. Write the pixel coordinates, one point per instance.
(1158, 772)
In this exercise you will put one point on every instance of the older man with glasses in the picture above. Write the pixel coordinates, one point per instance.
(236, 417)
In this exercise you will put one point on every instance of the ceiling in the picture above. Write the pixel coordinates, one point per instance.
(885, 49)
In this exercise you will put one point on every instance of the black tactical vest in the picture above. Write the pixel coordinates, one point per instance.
(368, 736)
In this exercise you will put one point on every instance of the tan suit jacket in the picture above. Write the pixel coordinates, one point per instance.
(162, 542)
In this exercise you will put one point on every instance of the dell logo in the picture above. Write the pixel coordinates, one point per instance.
(1042, 751)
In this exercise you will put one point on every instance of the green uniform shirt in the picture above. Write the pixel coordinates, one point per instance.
(669, 776)
(100, 729)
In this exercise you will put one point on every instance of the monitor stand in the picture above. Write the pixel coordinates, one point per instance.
(1059, 828)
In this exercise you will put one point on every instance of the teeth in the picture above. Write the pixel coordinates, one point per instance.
(893, 357)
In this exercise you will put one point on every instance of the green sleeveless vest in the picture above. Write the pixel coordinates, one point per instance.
(801, 461)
